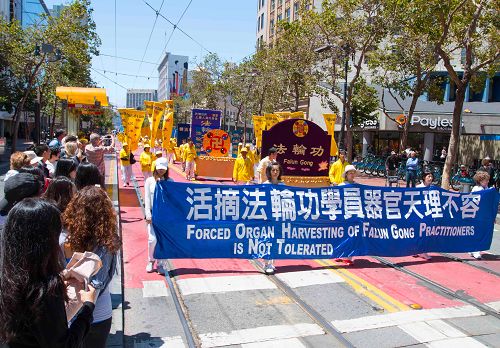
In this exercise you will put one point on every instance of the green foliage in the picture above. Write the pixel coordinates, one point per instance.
(364, 103)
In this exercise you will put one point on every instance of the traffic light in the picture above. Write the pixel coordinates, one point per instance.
(37, 50)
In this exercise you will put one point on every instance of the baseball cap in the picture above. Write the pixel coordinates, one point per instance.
(348, 168)
(18, 187)
(162, 163)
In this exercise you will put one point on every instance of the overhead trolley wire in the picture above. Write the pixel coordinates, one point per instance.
(125, 58)
(116, 83)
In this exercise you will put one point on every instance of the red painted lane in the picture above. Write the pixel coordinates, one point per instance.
(134, 235)
(456, 276)
(489, 261)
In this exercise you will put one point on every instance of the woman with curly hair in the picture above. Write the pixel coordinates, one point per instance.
(32, 293)
(90, 222)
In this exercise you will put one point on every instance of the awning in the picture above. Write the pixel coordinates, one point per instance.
(80, 95)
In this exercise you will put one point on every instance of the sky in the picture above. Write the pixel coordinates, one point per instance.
(225, 27)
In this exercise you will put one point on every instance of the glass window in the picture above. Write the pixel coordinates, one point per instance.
(262, 22)
(262, 3)
(273, 2)
(280, 17)
(287, 14)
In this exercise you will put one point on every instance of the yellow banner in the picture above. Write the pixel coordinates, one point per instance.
(259, 123)
(297, 114)
(168, 126)
(135, 121)
(155, 112)
(330, 120)
(271, 120)
(282, 115)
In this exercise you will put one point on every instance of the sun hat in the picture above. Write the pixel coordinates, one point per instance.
(162, 163)
(147, 145)
(244, 149)
(33, 157)
(159, 152)
(348, 168)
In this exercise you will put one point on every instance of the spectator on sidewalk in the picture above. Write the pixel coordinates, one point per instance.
(52, 162)
(411, 170)
(57, 141)
(43, 151)
(32, 292)
(66, 167)
(38, 175)
(95, 152)
(487, 166)
(17, 161)
(87, 174)
(16, 188)
(391, 164)
(60, 191)
(90, 221)
(32, 157)
(337, 169)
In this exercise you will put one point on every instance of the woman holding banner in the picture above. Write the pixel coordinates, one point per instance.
(273, 173)
(160, 173)
(482, 179)
(348, 177)
(427, 179)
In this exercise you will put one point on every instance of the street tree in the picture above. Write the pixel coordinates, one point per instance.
(204, 90)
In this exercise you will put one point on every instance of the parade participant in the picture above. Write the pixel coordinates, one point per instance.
(95, 152)
(482, 180)
(146, 161)
(87, 174)
(57, 141)
(427, 179)
(125, 164)
(17, 161)
(158, 154)
(60, 192)
(262, 168)
(66, 167)
(171, 150)
(190, 158)
(52, 162)
(43, 151)
(411, 170)
(182, 148)
(90, 222)
(243, 168)
(337, 169)
(160, 173)
(273, 176)
(32, 292)
(349, 175)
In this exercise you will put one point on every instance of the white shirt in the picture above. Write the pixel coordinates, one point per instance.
(149, 195)
(477, 188)
(261, 169)
(51, 167)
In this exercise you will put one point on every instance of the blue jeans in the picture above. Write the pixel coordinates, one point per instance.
(411, 176)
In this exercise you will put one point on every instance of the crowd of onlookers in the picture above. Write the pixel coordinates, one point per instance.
(55, 208)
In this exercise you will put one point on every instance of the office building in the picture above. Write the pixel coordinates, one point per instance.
(136, 97)
(173, 76)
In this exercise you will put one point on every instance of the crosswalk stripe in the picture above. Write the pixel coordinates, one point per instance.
(259, 334)
(308, 278)
(462, 342)
(192, 286)
(154, 288)
(285, 343)
(405, 317)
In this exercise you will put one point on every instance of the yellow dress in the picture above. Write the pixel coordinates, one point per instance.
(336, 172)
(146, 160)
(124, 154)
(190, 153)
(243, 169)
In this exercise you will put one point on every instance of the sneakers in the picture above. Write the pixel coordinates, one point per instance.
(348, 261)
(160, 268)
(269, 269)
(150, 266)
(476, 255)
(425, 256)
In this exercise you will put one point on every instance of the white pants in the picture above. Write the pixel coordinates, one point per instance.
(170, 157)
(151, 242)
(126, 174)
(147, 175)
(190, 169)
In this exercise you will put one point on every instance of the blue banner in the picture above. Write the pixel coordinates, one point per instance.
(283, 222)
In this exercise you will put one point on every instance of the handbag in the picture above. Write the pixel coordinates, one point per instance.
(77, 274)
(132, 159)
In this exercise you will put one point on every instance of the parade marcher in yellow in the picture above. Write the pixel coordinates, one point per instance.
(158, 154)
(146, 160)
(182, 148)
(125, 164)
(243, 168)
(171, 150)
(190, 157)
(337, 169)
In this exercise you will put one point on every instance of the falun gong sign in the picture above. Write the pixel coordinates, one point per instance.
(303, 147)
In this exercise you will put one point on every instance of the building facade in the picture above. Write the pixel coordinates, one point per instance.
(173, 76)
(32, 11)
(136, 97)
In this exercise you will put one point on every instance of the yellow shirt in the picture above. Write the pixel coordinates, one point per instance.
(243, 169)
(124, 154)
(190, 153)
(146, 160)
(182, 149)
(337, 171)
(170, 147)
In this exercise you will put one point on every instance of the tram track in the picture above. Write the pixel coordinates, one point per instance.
(472, 264)
(439, 288)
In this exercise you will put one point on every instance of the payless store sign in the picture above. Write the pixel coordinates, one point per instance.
(432, 123)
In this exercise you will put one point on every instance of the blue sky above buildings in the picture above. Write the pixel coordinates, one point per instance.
(226, 27)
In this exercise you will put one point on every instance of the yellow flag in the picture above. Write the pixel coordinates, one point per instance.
(259, 123)
(330, 120)
(168, 126)
(271, 120)
(135, 121)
